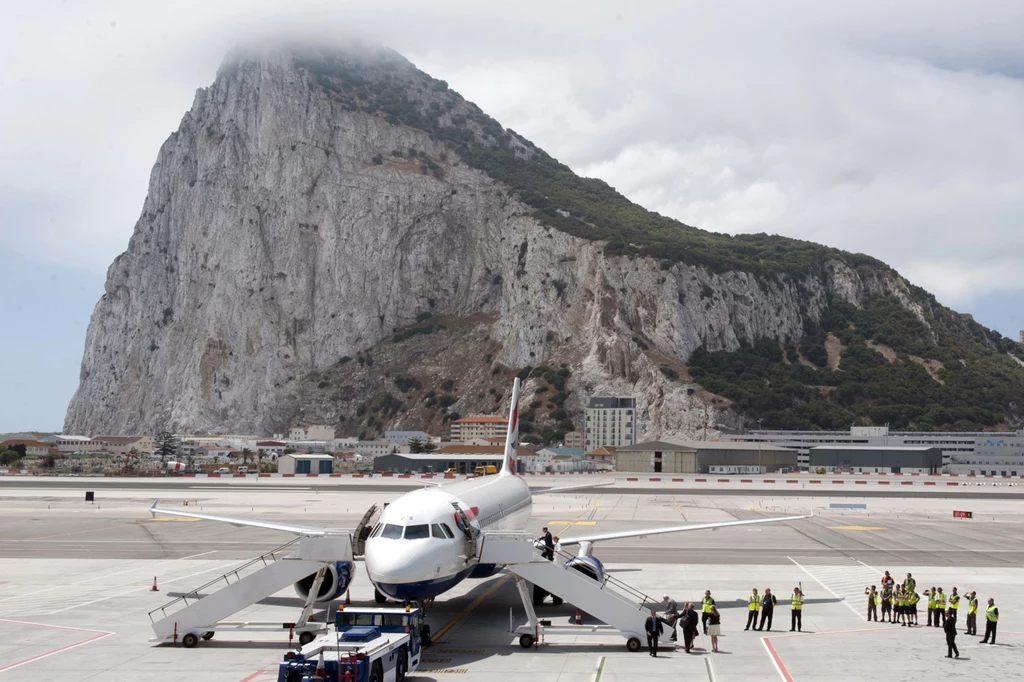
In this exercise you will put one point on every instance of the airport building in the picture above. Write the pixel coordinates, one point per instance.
(703, 457)
(876, 459)
(435, 462)
(610, 422)
(305, 463)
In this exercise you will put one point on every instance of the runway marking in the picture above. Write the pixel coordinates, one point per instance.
(600, 669)
(100, 634)
(77, 532)
(572, 523)
(170, 519)
(711, 669)
(856, 528)
(815, 579)
(776, 661)
(476, 602)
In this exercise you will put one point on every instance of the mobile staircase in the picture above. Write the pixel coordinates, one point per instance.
(197, 614)
(621, 608)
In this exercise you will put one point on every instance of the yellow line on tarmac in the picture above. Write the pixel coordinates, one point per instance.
(476, 602)
(572, 523)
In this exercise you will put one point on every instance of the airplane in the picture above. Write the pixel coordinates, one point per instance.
(426, 541)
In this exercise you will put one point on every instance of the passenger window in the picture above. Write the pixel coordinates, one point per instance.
(392, 532)
(435, 531)
(447, 530)
(417, 532)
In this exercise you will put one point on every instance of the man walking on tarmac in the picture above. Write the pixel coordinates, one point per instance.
(767, 609)
(753, 604)
(991, 619)
(796, 609)
(705, 610)
(689, 623)
(972, 614)
(950, 628)
(654, 630)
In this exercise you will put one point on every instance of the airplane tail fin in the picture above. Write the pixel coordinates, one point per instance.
(508, 465)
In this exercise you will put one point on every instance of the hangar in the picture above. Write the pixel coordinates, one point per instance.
(877, 459)
(702, 457)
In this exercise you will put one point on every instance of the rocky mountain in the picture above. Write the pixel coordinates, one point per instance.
(334, 236)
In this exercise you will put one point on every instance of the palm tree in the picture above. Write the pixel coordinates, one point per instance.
(246, 456)
(260, 456)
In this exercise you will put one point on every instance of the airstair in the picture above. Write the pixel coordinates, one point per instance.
(620, 607)
(197, 614)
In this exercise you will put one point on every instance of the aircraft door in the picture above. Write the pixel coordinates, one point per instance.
(363, 531)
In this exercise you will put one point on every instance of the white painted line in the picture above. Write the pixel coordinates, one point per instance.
(198, 555)
(99, 634)
(841, 599)
(600, 668)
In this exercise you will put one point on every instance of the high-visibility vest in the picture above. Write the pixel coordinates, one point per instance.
(909, 584)
(706, 603)
(931, 600)
(940, 601)
(755, 602)
(992, 614)
(914, 598)
(886, 595)
(972, 606)
(954, 601)
(796, 602)
(872, 598)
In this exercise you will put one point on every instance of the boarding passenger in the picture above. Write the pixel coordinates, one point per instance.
(654, 630)
(715, 629)
(753, 604)
(950, 628)
(767, 609)
(972, 614)
(796, 608)
(549, 545)
(671, 615)
(991, 619)
(886, 603)
(706, 604)
(954, 604)
(872, 593)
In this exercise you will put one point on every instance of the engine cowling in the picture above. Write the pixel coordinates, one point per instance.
(589, 566)
(335, 582)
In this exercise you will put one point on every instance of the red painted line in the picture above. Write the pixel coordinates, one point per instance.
(678, 480)
(814, 481)
(404, 475)
(840, 482)
(632, 479)
(100, 634)
(652, 480)
(929, 482)
(238, 475)
(361, 475)
(288, 475)
(861, 482)
(264, 476)
(952, 483)
(776, 660)
(312, 475)
(702, 480)
(723, 480)
(883, 483)
(189, 475)
(789, 480)
(387, 474)
(906, 483)
(768, 480)
(257, 674)
(335, 475)
(746, 480)
(213, 475)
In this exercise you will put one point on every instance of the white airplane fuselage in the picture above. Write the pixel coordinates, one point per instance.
(417, 550)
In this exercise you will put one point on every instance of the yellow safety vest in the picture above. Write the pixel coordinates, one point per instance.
(796, 602)
(972, 606)
(931, 600)
(991, 613)
(706, 603)
(914, 598)
(872, 597)
(954, 601)
(940, 601)
(755, 602)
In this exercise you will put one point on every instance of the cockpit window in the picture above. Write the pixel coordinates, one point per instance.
(376, 530)
(448, 530)
(392, 531)
(417, 532)
(435, 531)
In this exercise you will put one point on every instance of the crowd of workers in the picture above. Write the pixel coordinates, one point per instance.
(898, 605)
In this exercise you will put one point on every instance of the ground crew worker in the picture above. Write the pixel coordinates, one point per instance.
(909, 585)
(887, 581)
(954, 604)
(991, 618)
(753, 604)
(796, 610)
(886, 603)
(767, 609)
(912, 600)
(940, 609)
(872, 593)
(950, 628)
(705, 610)
(899, 605)
(972, 614)
(931, 605)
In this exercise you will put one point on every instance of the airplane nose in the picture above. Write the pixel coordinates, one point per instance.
(389, 562)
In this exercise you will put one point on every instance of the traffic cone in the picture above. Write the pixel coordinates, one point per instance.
(578, 620)
(154, 588)
(321, 670)
(348, 597)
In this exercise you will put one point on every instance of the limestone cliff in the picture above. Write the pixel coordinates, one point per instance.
(289, 226)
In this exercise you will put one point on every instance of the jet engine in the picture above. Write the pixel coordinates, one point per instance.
(336, 580)
(588, 565)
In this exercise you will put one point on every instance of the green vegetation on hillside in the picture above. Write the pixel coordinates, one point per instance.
(980, 385)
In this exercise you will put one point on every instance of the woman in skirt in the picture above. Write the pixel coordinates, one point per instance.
(715, 628)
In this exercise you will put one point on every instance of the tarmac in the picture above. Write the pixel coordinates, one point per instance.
(76, 578)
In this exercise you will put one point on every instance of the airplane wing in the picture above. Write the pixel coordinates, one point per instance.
(633, 533)
(567, 488)
(271, 525)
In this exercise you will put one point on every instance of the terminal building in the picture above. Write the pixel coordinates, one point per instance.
(703, 457)
(862, 459)
(962, 452)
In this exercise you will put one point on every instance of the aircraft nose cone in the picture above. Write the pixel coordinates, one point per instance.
(395, 562)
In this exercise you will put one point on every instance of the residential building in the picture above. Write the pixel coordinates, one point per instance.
(406, 436)
(311, 432)
(271, 447)
(308, 445)
(478, 426)
(122, 445)
(33, 448)
(574, 439)
(876, 459)
(610, 422)
(702, 457)
(376, 448)
(546, 457)
(603, 457)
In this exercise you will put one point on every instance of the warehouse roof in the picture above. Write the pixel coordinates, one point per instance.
(887, 448)
(687, 445)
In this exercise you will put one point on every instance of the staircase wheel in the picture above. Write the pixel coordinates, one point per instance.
(189, 641)
(526, 641)
(306, 637)
(633, 644)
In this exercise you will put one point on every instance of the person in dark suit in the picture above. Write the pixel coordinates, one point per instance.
(654, 630)
(950, 627)
(767, 609)
(689, 621)
(549, 545)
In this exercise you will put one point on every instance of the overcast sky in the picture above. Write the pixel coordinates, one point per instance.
(893, 129)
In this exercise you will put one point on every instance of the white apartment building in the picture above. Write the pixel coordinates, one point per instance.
(478, 426)
(311, 432)
(611, 422)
